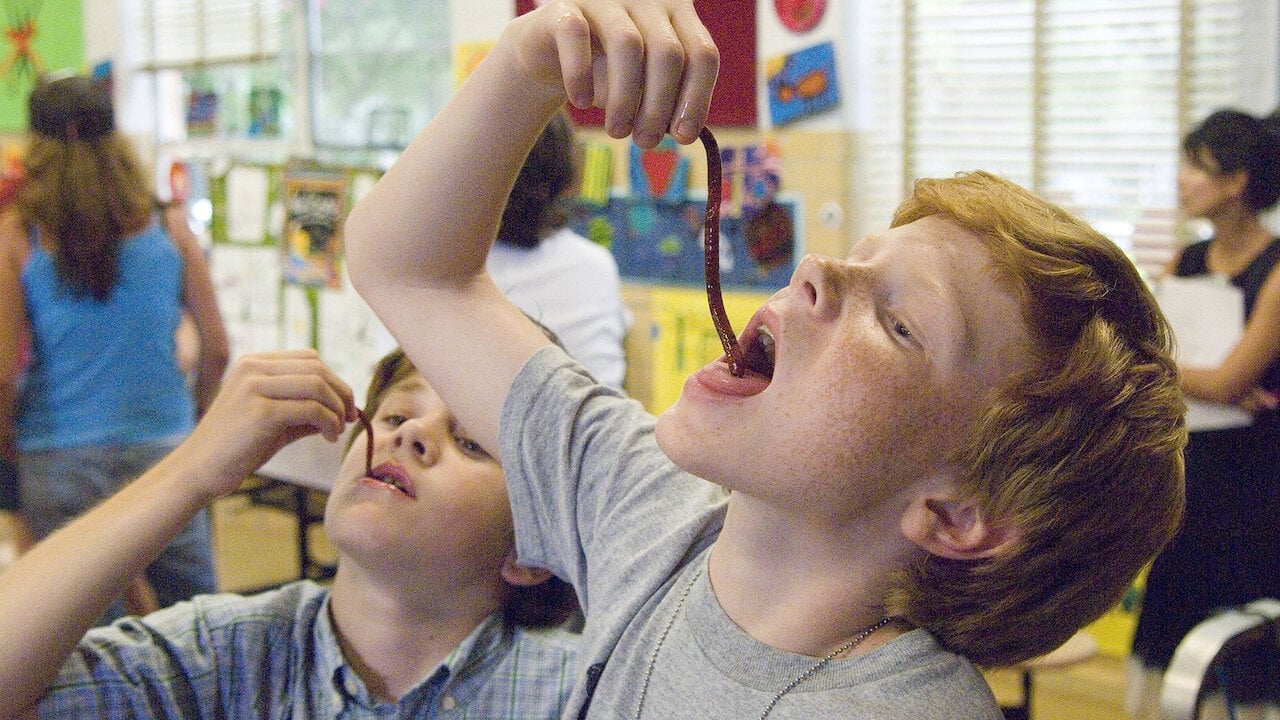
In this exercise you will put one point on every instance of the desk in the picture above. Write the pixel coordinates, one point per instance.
(311, 462)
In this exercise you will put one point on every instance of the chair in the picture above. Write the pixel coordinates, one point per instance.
(1236, 652)
(1078, 648)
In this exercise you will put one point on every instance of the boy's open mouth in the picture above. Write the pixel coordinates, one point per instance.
(758, 347)
(394, 476)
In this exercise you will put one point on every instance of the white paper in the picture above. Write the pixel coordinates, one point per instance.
(1207, 315)
(246, 280)
(246, 204)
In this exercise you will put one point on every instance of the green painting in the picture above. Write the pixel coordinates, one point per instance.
(39, 36)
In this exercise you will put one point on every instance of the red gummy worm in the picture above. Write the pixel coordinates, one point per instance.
(368, 435)
(711, 261)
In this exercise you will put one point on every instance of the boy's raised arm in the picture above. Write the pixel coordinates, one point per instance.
(54, 593)
(417, 243)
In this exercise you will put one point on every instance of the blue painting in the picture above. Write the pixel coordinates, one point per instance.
(802, 84)
(662, 242)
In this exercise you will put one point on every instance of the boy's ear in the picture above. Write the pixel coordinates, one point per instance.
(955, 529)
(522, 575)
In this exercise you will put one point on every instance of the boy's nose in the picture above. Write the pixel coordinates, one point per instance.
(414, 438)
(821, 283)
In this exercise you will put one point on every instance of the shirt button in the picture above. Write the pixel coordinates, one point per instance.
(448, 702)
(349, 683)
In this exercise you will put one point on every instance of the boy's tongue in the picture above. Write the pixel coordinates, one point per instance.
(717, 378)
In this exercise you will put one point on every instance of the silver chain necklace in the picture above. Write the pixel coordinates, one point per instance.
(671, 621)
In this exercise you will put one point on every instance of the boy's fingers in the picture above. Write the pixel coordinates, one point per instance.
(308, 400)
(573, 45)
(663, 67)
(701, 67)
(622, 71)
(308, 369)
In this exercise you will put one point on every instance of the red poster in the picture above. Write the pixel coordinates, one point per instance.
(732, 24)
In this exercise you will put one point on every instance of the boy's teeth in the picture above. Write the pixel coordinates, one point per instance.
(767, 343)
(760, 354)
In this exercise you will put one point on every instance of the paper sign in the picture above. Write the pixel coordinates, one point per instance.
(1207, 315)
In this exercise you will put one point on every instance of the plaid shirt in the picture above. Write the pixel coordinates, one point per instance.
(275, 655)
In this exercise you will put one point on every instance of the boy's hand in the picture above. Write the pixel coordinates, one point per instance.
(649, 63)
(266, 402)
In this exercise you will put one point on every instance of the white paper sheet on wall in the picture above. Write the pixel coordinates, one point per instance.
(1207, 315)
(246, 280)
(247, 194)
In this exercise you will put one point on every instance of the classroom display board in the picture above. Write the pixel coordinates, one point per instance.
(662, 241)
(278, 268)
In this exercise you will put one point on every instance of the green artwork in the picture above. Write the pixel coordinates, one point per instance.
(38, 37)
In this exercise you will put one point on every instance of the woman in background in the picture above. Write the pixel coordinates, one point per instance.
(1226, 552)
(556, 276)
(97, 275)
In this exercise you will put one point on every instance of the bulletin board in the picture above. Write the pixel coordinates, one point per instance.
(662, 242)
(262, 216)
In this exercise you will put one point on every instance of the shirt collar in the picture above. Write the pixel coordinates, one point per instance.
(455, 681)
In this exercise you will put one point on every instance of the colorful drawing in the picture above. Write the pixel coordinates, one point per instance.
(803, 84)
(315, 202)
(202, 112)
(661, 172)
(23, 62)
(265, 102)
(38, 37)
(800, 15)
(752, 176)
(661, 242)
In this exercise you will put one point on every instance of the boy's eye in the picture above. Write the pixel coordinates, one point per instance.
(901, 330)
(471, 448)
(393, 420)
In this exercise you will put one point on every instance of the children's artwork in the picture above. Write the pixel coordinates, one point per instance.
(752, 175)
(38, 37)
(311, 241)
(597, 172)
(264, 111)
(661, 172)
(800, 15)
(202, 112)
(661, 242)
(802, 84)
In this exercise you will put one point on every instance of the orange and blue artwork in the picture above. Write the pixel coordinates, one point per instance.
(802, 84)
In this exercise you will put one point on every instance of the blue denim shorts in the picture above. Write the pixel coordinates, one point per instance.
(59, 485)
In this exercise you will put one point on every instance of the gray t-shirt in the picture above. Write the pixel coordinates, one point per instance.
(598, 503)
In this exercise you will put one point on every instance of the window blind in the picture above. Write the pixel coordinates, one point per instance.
(1083, 101)
(175, 34)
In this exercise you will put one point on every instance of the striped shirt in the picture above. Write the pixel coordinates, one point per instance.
(275, 655)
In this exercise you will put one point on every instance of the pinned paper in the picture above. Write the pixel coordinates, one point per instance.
(802, 84)
(597, 173)
(661, 172)
(1207, 316)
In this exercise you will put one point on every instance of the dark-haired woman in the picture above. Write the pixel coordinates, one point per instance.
(97, 275)
(1226, 552)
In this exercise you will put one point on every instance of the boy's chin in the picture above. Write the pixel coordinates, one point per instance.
(683, 444)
